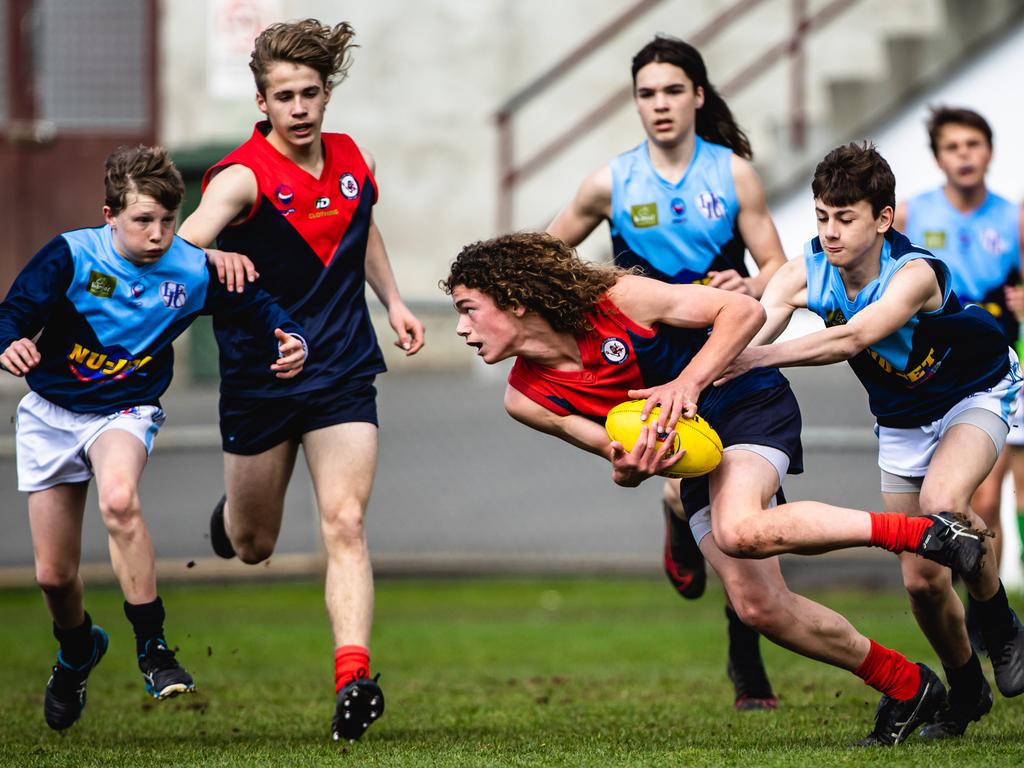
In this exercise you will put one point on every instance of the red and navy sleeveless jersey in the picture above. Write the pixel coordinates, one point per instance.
(307, 237)
(619, 355)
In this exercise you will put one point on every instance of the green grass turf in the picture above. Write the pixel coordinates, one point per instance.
(572, 672)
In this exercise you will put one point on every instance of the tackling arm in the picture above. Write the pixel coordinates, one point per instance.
(911, 290)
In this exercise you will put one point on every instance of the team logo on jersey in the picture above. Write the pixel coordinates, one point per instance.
(711, 205)
(934, 238)
(349, 186)
(173, 294)
(101, 285)
(645, 215)
(321, 203)
(137, 288)
(678, 207)
(992, 242)
(284, 194)
(614, 350)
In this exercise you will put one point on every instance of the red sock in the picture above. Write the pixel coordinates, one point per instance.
(889, 672)
(350, 662)
(896, 532)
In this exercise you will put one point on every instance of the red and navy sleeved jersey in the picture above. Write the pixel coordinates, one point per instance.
(307, 237)
(620, 355)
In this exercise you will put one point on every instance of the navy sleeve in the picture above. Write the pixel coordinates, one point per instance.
(255, 307)
(37, 288)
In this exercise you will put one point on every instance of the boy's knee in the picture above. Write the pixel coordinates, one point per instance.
(744, 538)
(344, 525)
(55, 579)
(119, 506)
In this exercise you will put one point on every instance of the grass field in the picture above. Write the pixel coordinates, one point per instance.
(494, 672)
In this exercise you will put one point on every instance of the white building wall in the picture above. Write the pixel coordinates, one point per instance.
(989, 85)
(429, 76)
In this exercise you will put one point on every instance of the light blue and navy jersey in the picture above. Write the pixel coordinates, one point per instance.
(918, 373)
(678, 232)
(981, 248)
(107, 324)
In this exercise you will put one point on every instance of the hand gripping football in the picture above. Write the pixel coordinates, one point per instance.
(702, 444)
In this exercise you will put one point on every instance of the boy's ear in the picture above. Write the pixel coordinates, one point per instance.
(885, 219)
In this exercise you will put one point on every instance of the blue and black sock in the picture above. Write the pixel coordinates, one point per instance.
(147, 620)
(76, 643)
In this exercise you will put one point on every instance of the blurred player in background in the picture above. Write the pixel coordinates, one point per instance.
(684, 206)
(299, 203)
(978, 234)
(109, 302)
(941, 383)
(586, 337)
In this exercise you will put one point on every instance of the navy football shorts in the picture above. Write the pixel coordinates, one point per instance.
(771, 418)
(251, 425)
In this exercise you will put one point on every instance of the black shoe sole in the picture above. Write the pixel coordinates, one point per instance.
(358, 705)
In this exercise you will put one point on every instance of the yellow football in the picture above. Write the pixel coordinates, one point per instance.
(702, 444)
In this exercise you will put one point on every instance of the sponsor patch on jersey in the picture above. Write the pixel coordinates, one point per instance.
(644, 215)
(711, 205)
(349, 186)
(284, 194)
(321, 203)
(835, 317)
(934, 238)
(102, 285)
(678, 207)
(614, 350)
(173, 294)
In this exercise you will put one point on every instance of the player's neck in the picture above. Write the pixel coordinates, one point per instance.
(671, 162)
(862, 270)
(965, 199)
(309, 157)
(552, 349)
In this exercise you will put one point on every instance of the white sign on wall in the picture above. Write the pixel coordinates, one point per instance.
(232, 26)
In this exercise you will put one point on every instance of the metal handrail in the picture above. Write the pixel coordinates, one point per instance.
(511, 173)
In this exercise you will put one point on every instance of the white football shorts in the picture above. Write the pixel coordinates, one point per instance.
(906, 452)
(53, 443)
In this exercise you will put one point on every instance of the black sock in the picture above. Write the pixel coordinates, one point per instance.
(745, 657)
(964, 682)
(147, 621)
(744, 642)
(75, 643)
(994, 616)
